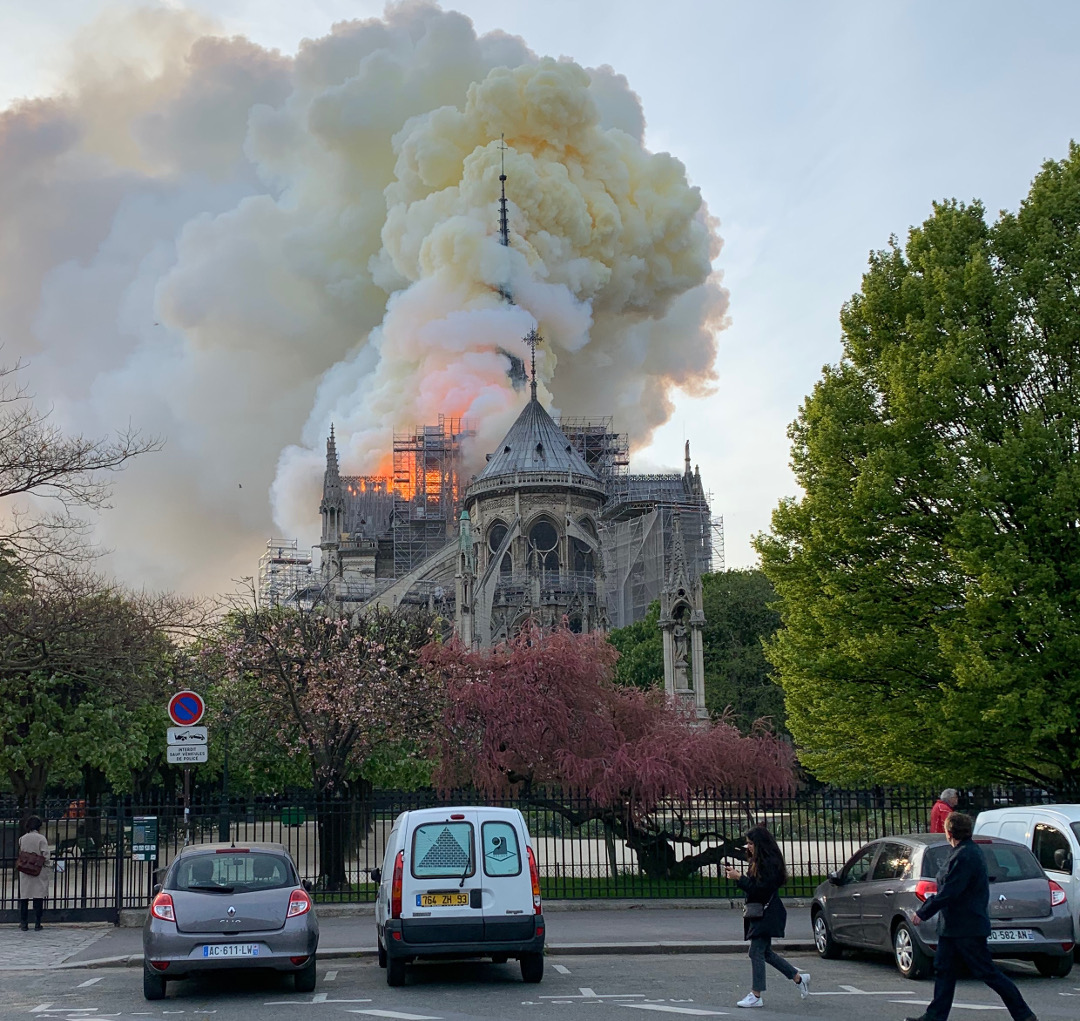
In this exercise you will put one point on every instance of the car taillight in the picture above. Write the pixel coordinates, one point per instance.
(925, 888)
(1057, 894)
(299, 903)
(162, 907)
(395, 886)
(534, 873)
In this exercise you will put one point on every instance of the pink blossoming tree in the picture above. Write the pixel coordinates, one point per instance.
(337, 691)
(541, 716)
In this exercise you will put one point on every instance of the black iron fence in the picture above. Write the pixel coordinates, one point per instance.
(104, 864)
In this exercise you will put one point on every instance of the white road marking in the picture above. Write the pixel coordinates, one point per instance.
(89, 982)
(397, 1014)
(856, 991)
(561, 969)
(330, 976)
(676, 1010)
(317, 998)
(588, 994)
(956, 1006)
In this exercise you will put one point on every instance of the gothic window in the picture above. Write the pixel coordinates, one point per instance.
(544, 546)
(496, 534)
(583, 554)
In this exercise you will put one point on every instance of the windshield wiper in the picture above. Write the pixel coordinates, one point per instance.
(468, 865)
(214, 887)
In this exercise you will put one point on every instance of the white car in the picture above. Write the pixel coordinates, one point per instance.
(1053, 834)
(459, 882)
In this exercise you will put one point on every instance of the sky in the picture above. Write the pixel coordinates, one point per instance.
(813, 131)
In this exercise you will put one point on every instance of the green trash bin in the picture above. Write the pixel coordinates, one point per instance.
(293, 816)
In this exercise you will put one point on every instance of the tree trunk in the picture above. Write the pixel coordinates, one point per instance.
(334, 823)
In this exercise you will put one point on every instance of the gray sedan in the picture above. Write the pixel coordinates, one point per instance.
(222, 906)
(870, 902)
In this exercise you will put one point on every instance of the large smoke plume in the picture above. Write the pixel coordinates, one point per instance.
(233, 249)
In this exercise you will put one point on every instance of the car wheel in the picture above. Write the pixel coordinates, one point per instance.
(911, 960)
(153, 986)
(827, 947)
(304, 980)
(532, 967)
(382, 955)
(500, 958)
(395, 971)
(1054, 967)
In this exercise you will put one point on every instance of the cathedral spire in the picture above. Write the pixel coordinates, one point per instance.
(687, 459)
(504, 221)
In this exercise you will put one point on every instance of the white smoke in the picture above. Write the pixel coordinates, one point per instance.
(233, 249)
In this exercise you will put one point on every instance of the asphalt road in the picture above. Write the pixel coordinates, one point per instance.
(589, 988)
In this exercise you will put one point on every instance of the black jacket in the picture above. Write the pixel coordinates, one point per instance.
(763, 890)
(963, 896)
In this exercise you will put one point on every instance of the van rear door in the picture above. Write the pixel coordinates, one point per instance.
(508, 902)
(442, 890)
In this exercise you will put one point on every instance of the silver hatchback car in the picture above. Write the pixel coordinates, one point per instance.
(222, 906)
(869, 904)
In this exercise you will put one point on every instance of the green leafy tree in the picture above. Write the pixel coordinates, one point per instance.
(739, 617)
(929, 576)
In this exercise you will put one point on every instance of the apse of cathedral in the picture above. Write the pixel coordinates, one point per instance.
(553, 529)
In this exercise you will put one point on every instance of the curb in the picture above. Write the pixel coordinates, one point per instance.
(552, 949)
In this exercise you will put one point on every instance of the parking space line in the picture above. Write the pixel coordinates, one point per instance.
(400, 1015)
(561, 969)
(956, 1006)
(676, 1010)
(330, 976)
(89, 982)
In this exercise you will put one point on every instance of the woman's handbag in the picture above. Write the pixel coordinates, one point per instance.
(752, 910)
(29, 863)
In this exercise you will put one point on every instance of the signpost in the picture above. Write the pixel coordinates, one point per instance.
(187, 742)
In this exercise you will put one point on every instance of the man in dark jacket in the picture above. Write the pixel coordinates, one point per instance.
(963, 898)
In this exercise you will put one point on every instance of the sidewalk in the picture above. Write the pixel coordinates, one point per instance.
(631, 928)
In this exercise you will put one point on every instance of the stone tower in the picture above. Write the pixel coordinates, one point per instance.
(681, 619)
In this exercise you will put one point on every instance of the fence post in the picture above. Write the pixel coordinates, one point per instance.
(118, 884)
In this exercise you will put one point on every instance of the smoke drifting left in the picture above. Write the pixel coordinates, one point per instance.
(231, 249)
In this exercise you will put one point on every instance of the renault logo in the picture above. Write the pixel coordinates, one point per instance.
(1001, 897)
(232, 910)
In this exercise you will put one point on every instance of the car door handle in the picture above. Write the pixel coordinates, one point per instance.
(856, 896)
(889, 893)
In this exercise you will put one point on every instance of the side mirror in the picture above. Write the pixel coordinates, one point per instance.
(376, 875)
(157, 889)
(834, 878)
(308, 885)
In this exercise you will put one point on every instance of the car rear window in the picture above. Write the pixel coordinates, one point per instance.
(501, 854)
(443, 849)
(234, 871)
(1004, 862)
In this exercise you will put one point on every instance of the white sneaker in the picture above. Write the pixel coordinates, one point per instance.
(750, 1000)
(804, 984)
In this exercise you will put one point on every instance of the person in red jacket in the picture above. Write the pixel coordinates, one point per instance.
(942, 807)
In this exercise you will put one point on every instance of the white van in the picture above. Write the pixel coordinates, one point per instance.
(459, 882)
(1053, 834)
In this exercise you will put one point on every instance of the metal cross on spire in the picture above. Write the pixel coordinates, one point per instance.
(532, 338)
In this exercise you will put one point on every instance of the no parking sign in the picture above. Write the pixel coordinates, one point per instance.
(186, 708)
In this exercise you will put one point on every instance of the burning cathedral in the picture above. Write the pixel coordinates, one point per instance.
(553, 527)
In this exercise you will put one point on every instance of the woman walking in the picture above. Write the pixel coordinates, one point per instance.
(33, 887)
(764, 914)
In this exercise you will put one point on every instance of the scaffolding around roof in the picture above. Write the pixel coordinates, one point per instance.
(427, 488)
(606, 451)
(286, 574)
